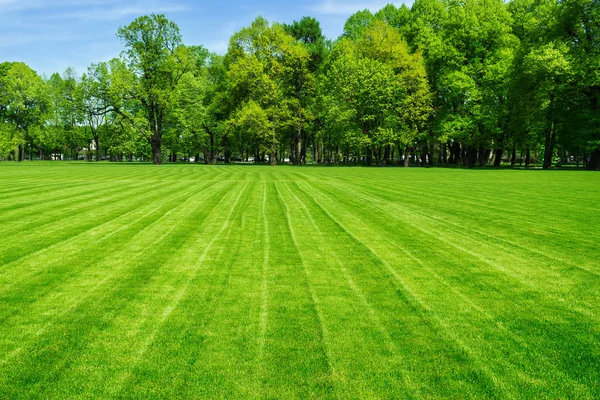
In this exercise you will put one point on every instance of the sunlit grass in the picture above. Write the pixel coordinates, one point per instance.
(135, 281)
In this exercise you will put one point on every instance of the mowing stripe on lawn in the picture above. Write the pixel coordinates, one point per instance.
(136, 281)
(475, 379)
(98, 269)
(349, 217)
(69, 232)
(37, 282)
(456, 241)
(151, 253)
(507, 335)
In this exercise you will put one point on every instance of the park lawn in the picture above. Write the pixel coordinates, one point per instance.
(189, 281)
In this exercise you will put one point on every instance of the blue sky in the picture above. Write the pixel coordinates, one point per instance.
(51, 35)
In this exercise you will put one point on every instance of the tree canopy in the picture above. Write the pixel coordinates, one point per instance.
(446, 82)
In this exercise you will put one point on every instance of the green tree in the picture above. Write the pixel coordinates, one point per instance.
(269, 67)
(157, 60)
(252, 121)
(302, 78)
(547, 72)
(25, 99)
(96, 103)
(383, 88)
(468, 47)
(202, 103)
(578, 26)
(67, 103)
(357, 23)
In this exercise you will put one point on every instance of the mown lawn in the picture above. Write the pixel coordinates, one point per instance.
(135, 281)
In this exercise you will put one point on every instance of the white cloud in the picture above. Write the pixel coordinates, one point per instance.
(8, 3)
(218, 46)
(118, 12)
(16, 39)
(21, 5)
(219, 41)
(98, 10)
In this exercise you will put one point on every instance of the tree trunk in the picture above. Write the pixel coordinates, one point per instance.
(407, 155)
(457, 153)
(226, 149)
(470, 156)
(299, 141)
(156, 118)
(594, 163)
(484, 155)
(297, 159)
(430, 155)
(377, 152)
(498, 157)
(213, 156)
(209, 159)
(423, 155)
(386, 155)
(513, 157)
(549, 144)
(156, 151)
(528, 158)
(97, 145)
(304, 142)
(444, 154)
(548, 150)
(292, 146)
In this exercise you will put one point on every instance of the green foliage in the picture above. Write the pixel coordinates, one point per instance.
(8, 140)
(445, 81)
(67, 115)
(202, 96)
(382, 86)
(308, 32)
(251, 121)
(357, 23)
(155, 61)
(269, 68)
(25, 105)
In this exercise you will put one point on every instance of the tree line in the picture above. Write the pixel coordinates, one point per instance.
(444, 82)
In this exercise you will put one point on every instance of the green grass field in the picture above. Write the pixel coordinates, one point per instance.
(135, 281)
